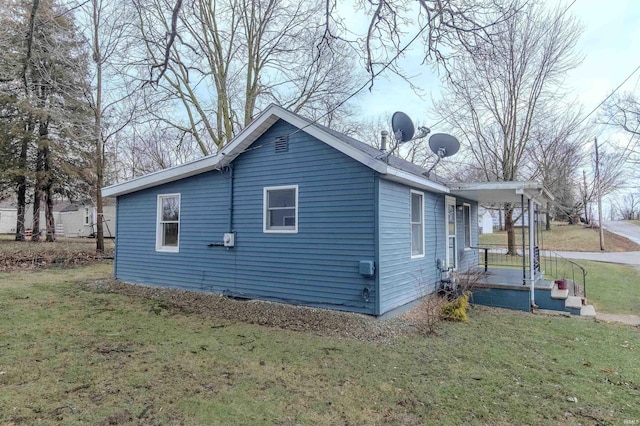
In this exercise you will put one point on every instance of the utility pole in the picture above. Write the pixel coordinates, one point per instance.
(599, 196)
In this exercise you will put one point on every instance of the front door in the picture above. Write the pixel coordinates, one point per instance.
(450, 233)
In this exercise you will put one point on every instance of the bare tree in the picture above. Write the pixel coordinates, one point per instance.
(109, 37)
(499, 93)
(623, 112)
(231, 57)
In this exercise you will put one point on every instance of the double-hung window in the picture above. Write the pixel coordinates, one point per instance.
(168, 223)
(466, 217)
(417, 224)
(281, 209)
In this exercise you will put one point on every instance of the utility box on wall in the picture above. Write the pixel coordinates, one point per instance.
(367, 268)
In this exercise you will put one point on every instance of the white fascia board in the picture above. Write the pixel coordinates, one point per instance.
(410, 179)
(163, 176)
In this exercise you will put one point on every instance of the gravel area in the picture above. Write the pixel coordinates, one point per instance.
(323, 322)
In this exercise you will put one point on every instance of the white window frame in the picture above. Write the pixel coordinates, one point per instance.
(265, 212)
(411, 223)
(87, 222)
(159, 246)
(465, 224)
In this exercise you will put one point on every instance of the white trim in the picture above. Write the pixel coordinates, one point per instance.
(406, 178)
(411, 223)
(450, 201)
(171, 174)
(265, 215)
(159, 246)
(464, 225)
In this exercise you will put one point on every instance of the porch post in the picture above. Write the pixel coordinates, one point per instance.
(532, 225)
(524, 248)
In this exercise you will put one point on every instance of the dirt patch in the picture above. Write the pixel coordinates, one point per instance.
(27, 261)
(65, 251)
(227, 310)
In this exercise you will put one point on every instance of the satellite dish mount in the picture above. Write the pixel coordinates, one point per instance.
(443, 145)
(404, 130)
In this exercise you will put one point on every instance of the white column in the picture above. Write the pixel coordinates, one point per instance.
(532, 230)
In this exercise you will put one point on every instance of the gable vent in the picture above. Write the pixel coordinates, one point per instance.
(282, 144)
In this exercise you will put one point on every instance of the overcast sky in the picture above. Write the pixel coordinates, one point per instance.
(610, 45)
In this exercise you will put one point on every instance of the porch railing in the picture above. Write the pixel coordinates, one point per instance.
(551, 263)
(561, 268)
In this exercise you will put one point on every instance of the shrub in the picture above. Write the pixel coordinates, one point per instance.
(457, 309)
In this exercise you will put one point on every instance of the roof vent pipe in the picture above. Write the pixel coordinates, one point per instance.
(383, 140)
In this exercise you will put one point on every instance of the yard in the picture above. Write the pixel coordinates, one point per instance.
(563, 237)
(77, 348)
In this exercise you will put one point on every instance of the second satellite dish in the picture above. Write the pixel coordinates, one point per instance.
(402, 126)
(443, 145)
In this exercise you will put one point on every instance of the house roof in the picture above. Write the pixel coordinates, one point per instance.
(391, 167)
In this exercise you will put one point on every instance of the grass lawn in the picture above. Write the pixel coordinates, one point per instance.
(72, 353)
(564, 237)
(611, 288)
(635, 222)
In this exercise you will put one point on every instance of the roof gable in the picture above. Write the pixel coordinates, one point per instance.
(392, 168)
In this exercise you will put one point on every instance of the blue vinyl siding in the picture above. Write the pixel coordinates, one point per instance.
(403, 279)
(317, 266)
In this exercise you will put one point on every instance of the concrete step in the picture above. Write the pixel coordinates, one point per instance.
(559, 294)
(588, 311)
(573, 302)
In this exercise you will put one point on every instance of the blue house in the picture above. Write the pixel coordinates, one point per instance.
(294, 212)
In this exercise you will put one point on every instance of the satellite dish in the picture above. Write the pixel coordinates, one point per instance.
(402, 126)
(443, 145)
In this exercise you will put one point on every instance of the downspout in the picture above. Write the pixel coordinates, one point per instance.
(230, 166)
(376, 199)
(532, 225)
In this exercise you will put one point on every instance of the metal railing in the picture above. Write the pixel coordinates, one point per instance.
(549, 262)
(561, 268)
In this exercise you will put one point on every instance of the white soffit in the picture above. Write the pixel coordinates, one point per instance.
(501, 192)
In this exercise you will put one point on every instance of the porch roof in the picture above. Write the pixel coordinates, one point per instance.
(501, 192)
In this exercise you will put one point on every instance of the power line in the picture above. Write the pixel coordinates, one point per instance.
(369, 80)
(610, 94)
(542, 35)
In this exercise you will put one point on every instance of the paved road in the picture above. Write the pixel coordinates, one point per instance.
(624, 257)
(626, 229)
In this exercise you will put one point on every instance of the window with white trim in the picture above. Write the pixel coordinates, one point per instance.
(466, 222)
(86, 216)
(168, 223)
(417, 224)
(281, 209)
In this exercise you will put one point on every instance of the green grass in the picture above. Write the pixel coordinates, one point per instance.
(611, 288)
(564, 237)
(72, 354)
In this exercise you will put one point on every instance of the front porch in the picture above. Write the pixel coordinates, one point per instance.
(526, 277)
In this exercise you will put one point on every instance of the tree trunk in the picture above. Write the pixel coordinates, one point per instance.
(500, 225)
(46, 160)
(37, 196)
(21, 181)
(97, 57)
(511, 232)
(548, 217)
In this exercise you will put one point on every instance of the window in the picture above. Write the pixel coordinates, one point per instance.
(86, 216)
(168, 223)
(417, 224)
(452, 243)
(281, 209)
(466, 218)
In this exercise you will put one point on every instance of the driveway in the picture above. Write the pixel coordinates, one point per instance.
(625, 229)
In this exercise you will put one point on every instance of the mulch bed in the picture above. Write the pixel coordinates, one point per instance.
(323, 322)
